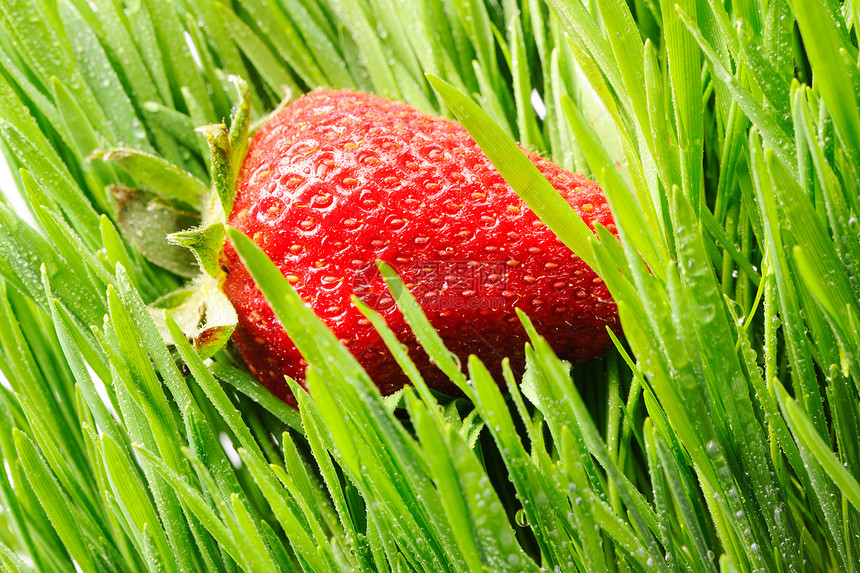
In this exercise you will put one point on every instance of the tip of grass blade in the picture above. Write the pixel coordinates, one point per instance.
(424, 331)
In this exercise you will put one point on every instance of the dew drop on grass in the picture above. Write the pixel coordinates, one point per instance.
(521, 519)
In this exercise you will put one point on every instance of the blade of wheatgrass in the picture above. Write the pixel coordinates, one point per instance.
(423, 34)
(717, 352)
(151, 341)
(50, 172)
(447, 482)
(304, 496)
(297, 471)
(319, 38)
(827, 266)
(487, 538)
(372, 50)
(179, 66)
(65, 469)
(627, 48)
(530, 135)
(799, 213)
(825, 37)
(266, 63)
(798, 349)
(661, 497)
(770, 126)
(37, 329)
(216, 394)
(648, 197)
(145, 39)
(84, 139)
(841, 318)
(174, 123)
(132, 496)
(520, 173)
(394, 32)
(145, 389)
(576, 17)
(218, 499)
(192, 499)
(29, 377)
(475, 20)
(204, 59)
(84, 382)
(70, 246)
(590, 538)
(571, 407)
(201, 437)
(630, 219)
(289, 516)
(666, 159)
(490, 100)
(210, 386)
(685, 498)
(684, 79)
(529, 483)
(115, 251)
(424, 331)
(139, 431)
(117, 523)
(11, 501)
(121, 46)
(258, 558)
(838, 200)
(402, 358)
(248, 386)
(14, 110)
(44, 46)
(98, 73)
(375, 474)
(776, 88)
(154, 423)
(820, 467)
(396, 470)
(54, 501)
(227, 52)
(317, 436)
(560, 137)
(38, 104)
(281, 33)
(13, 561)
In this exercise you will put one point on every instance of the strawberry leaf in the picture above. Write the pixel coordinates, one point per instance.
(156, 175)
(146, 220)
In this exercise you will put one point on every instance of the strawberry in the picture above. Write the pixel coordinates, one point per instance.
(337, 180)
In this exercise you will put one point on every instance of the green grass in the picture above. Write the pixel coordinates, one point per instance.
(721, 433)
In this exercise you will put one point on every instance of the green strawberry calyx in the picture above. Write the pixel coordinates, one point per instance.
(173, 215)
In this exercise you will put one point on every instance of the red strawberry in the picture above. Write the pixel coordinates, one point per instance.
(337, 180)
